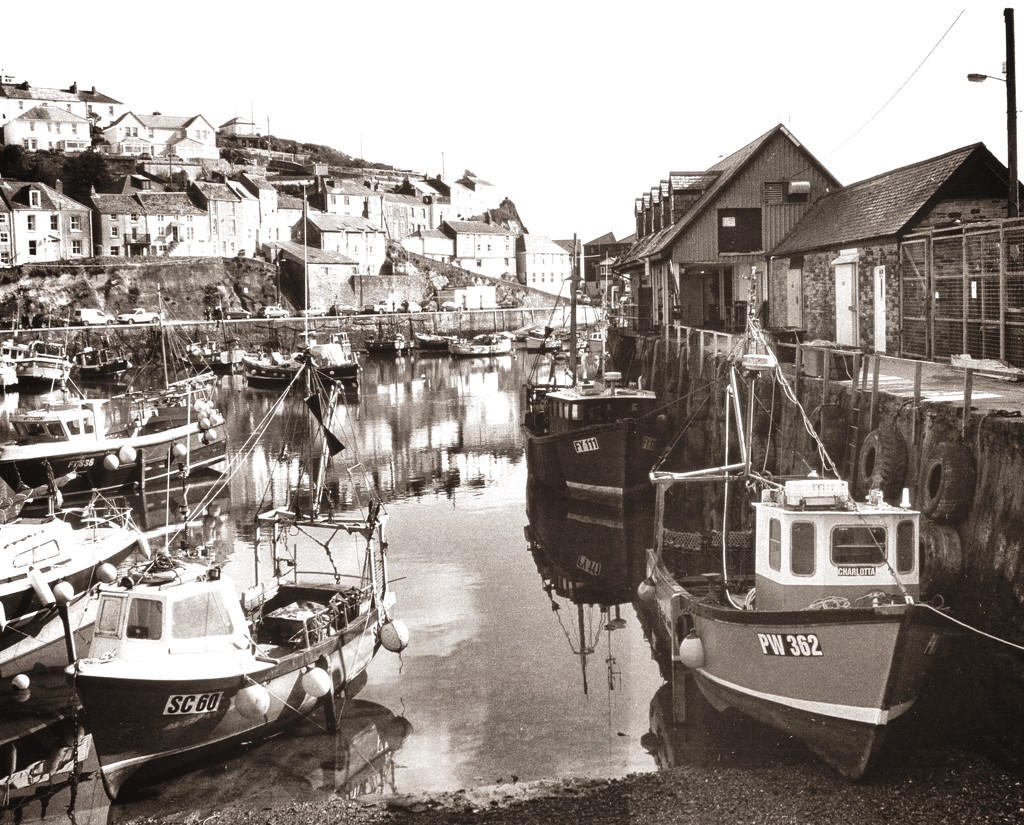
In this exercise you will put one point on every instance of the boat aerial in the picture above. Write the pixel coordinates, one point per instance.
(827, 639)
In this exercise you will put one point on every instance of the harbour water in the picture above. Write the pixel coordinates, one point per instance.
(527, 661)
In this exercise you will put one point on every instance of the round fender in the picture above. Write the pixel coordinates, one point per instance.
(883, 463)
(947, 482)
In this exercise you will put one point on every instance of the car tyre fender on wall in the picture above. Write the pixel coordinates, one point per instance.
(948, 479)
(883, 462)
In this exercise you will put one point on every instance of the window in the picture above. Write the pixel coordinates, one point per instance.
(5, 236)
(32, 247)
(794, 191)
(115, 231)
(3, 219)
(76, 247)
(479, 262)
(55, 222)
(145, 619)
(775, 544)
(802, 548)
(34, 198)
(115, 251)
(31, 223)
(109, 616)
(201, 615)
(906, 547)
(858, 545)
(76, 223)
(739, 230)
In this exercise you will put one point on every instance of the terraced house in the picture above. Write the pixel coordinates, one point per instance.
(39, 224)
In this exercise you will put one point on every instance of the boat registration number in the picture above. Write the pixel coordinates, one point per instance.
(586, 445)
(799, 644)
(179, 704)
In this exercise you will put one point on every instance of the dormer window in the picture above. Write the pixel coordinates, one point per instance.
(34, 198)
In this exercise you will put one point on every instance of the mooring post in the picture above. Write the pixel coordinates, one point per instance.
(968, 389)
(918, 366)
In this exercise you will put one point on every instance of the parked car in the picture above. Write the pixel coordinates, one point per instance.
(411, 306)
(140, 316)
(237, 314)
(91, 316)
(273, 311)
(314, 312)
(343, 309)
(386, 305)
(449, 306)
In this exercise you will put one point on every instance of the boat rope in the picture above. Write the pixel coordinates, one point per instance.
(971, 628)
(284, 702)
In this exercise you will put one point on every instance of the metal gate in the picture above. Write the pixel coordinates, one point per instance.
(962, 291)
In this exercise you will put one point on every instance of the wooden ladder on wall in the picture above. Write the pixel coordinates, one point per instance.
(860, 373)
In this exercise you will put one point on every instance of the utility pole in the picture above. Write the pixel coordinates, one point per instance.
(1013, 198)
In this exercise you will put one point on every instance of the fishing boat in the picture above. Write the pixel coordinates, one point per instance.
(8, 376)
(164, 430)
(431, 342)
(101, 364)
(819, 628)
(39, 364)
(220, 359)
(387, 340)
(480, 346)
(542, 339)
(187, 665)
(48, 566)
(334, 361)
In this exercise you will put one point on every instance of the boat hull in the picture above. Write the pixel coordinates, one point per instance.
(134, 737)
(265, 374)
(836, 679)
(602, 463)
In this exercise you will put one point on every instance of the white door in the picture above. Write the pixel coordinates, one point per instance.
(794, 299)
(846, 304)
(880, 309)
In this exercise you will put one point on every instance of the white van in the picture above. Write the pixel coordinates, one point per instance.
(91, 317)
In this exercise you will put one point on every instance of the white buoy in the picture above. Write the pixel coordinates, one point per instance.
(111, 462)
(645, 590)
(3, 617)
(127, 454)
(691, 652)
(63, 592)
(394, 635)
(210, 436)
(253, 702)
(106, 572)
(316, 682)
(43, 592)
(179, 450)
(204, 422)
(20, 682)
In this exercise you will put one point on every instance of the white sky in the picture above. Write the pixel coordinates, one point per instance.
(572, 109)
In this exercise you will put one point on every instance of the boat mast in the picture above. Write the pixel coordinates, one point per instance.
(573, 280)
(305, 267)
(163, 338)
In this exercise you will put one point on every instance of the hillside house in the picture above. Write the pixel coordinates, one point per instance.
(849, 271)
(543, 264)
(704, 237)
(50, 128)
(430, 243)
(269, 227)
(332, 277)
(40, 224)
(191, 137)
(482, 248)
(355, 237)
(223, 208)
(429, 192)
(18, 98)
(149, 223)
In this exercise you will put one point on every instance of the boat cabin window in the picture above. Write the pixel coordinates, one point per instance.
(906, 549)
(145, 619)
(109, 617)
(204, 614)
(775, 544)
(802, 549)
(858, 545)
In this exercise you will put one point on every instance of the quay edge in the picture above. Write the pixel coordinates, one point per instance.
(965, 472)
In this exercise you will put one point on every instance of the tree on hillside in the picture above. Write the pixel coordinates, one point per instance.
(82, 172)
(16, 163)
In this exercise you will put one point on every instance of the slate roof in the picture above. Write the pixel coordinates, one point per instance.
(541, 244)
(167, 121)
(16, 91)
(15, 195)
(168, 203)
(116, 204)
(341, 223)
(881, 206)
(313, 255)
(477, 228)
(408, 200)
(52, 114)
(215, 191)
(606, 238)
(285, 201)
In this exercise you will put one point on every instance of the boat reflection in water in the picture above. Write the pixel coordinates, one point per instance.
(591, 558)
(303, 764)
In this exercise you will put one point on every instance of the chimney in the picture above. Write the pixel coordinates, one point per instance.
(94, 90)
(59, 186)
(74, 88)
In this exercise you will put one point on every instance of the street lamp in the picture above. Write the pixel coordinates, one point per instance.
(1013, 191)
